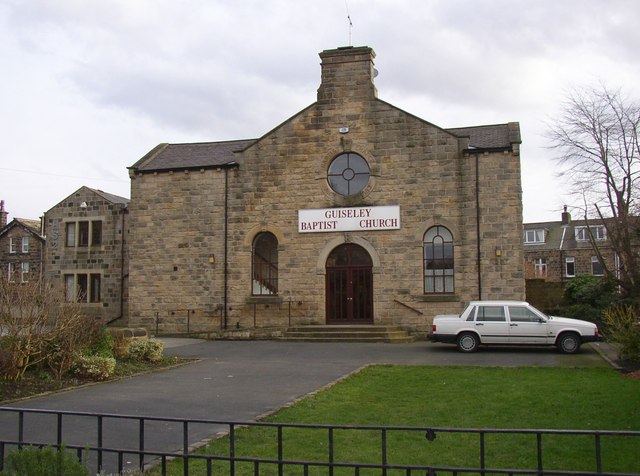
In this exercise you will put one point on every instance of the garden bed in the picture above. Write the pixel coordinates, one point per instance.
(38, 382)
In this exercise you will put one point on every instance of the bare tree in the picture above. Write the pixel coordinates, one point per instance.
(37, 325)
(596, 136)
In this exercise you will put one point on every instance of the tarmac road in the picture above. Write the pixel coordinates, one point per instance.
(242, 381)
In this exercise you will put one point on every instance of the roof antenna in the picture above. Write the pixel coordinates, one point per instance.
(346, 4)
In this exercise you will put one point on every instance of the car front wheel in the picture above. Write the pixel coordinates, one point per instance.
(468, 342)
(569, 343)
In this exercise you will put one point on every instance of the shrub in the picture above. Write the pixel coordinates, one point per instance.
(102, 344)
(65, 344)
(120, 345)
(623, 327)
(60, 358)
(586, 312)
(5, 360)
(47, 461)
(39, 328)
(126, 472)
(94, 367)
(587, 296)
(136, 349)
(591, 290)
(146, 349)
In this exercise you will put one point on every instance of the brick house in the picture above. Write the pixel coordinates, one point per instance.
(86, 252)
(558, 251)
(350, 212)
(21, 248)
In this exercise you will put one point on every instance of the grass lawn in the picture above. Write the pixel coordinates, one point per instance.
(460, 397)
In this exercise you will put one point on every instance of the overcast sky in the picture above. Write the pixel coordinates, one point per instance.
(87, 87)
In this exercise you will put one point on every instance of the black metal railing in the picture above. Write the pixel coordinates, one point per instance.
(115, 443)
(180, 320)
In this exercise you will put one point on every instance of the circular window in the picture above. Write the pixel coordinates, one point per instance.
(348, 174)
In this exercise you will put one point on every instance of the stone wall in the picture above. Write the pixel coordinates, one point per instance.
(177, 250)
(555, 259)
(177, 271)
(109, 260)
(545, 295)
(416, 166)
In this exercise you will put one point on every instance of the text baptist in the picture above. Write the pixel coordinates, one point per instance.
(370, 224)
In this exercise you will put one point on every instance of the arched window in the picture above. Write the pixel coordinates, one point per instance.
(265, 264)
(438, 261)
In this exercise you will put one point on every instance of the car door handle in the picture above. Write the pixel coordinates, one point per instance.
(513, 325)
(479, 324)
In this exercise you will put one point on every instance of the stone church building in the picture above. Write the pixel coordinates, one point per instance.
(350, 212)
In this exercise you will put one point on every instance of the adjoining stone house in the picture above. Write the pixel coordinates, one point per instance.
(558, 251)
(21, 248)
(86, 252)
(350, 212)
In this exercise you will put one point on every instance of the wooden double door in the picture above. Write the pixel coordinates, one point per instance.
(349, 286)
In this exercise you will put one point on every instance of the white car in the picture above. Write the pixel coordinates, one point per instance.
(511, 322)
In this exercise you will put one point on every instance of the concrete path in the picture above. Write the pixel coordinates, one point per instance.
(243, 380)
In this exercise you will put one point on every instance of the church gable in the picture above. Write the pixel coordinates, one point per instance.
(234, 230)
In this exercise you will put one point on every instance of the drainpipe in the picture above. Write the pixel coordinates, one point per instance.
(562, 264)
(122, 257)
(43, 220)
(566, 221)
(226, 247)
(478, 236)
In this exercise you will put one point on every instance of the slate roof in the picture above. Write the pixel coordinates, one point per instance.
(559, 236)
(32, 226)
(199, 155)
(111, 197)
(496, 136)
(190, 156)
(115, 199)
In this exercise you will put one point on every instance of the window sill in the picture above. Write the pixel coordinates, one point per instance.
(275, 299)
(85, 248)
(437, 298)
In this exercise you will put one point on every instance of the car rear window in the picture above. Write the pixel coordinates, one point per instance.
(491, 313)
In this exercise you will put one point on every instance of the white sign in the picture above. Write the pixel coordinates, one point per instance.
(349, 219)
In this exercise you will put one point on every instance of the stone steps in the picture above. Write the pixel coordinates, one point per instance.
(355, 333)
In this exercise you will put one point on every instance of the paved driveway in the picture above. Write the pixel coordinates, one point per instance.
(242, 380)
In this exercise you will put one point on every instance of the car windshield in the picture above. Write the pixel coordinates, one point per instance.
(541, 313)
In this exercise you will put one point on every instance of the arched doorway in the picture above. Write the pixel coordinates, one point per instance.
(349, 285)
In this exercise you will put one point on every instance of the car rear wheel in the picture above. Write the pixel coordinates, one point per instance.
(569, 343)
(468, 342)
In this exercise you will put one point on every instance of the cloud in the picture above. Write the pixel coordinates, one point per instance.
(505, 54)
(199, 69)
(94, 85)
